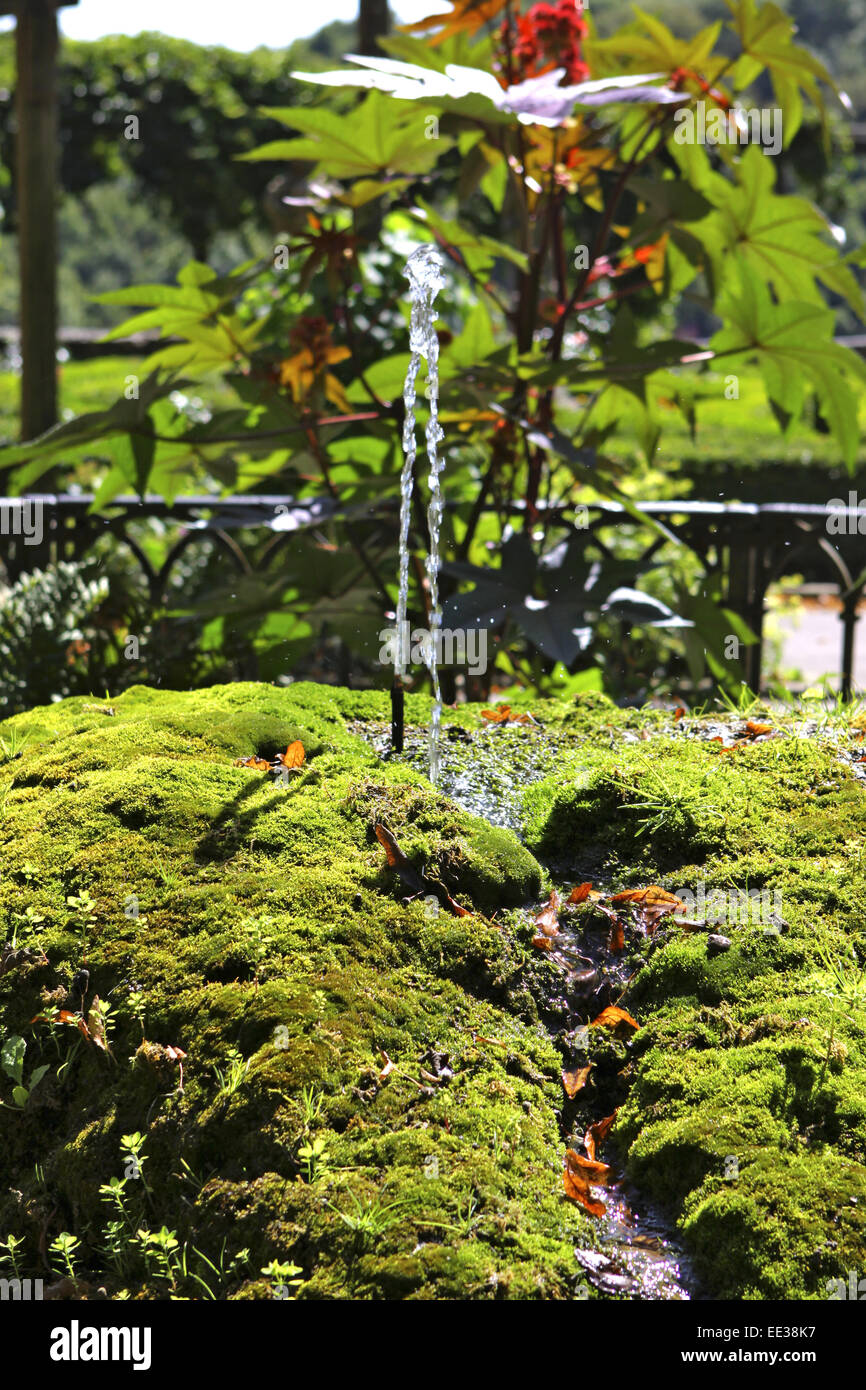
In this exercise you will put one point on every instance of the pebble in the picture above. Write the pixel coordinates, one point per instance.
(717, 944)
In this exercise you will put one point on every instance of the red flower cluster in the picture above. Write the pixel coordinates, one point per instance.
(550, 36)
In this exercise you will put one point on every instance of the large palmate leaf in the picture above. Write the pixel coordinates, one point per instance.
(766, 35)
(577, 591)
(779, 237)
(474, 92)
(792, 344)
(378, 138)
(478, 251)
(648, 43)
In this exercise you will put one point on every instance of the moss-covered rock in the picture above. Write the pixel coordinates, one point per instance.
(319, 1077)
(361, 1095)
(746, 1108)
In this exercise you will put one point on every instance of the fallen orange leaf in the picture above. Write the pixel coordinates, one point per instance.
(293, 756)
(594, 1172)
(596, 1132)
(650, 897)
(542, 943)
(577, 1188)
(388, 1066)
(500, 715)
(678, 713)
(258, 764)
(579, 893)
(612, 1017)
(616, 940)
(574, 1081)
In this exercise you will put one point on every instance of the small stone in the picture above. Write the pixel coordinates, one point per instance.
(717, 944)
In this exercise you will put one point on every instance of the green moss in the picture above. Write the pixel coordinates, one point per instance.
(230, 912)
(746, 1108)
(369, 1090)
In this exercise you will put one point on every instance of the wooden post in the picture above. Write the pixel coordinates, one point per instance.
(36, 192)
(373, 23)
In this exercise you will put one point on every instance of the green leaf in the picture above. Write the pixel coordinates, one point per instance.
(778, 237)
(792, 342)
(766, 36)
(12, 1057)
(380, 136)
(479, 252)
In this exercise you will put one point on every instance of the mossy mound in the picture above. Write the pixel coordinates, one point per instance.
(370, 1103)
(746, 1104)
(366, 1093)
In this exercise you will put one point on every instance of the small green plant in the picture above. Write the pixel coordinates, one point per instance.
(137, 1005)
(66, 1247)
(846, 991)
(312, 1102)
(284, 1277)
(13, 743)
(12, 1063)
(234, 1075)
(159, 1250)
(315, 1159)
(30, 920)
(256, 929)
(224, 1272)
(83, 912)
(9, 1259)
(370, 1219)
(134, 1157)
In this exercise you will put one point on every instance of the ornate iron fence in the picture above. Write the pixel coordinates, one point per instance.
(746, 548)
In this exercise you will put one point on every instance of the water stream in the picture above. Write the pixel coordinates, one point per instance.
(635, 1254)
(424, 273)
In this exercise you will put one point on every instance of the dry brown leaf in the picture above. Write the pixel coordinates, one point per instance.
(542, 943)
(594, 1172)
(387, 1067)
(616, 940)
(257, 764)
(650, 897)
(753, 730)
(500, 715)
(596, 1132)
(547, 920)
(579, 894)
(574, 1081)
(678, 713)
(612, 1017)
(294, 755)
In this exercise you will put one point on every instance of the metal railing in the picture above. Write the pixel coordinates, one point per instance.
(744, 548)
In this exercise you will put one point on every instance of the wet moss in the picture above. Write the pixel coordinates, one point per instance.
(368, 1090)
(745, 1113)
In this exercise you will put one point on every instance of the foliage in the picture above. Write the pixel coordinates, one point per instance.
(188, 102)
(556, 329)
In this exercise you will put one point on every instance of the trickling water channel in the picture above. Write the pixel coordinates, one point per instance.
(635, 1254)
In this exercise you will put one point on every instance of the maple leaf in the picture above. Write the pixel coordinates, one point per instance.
(650, 897)
(294, 755)
(579, 1174)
